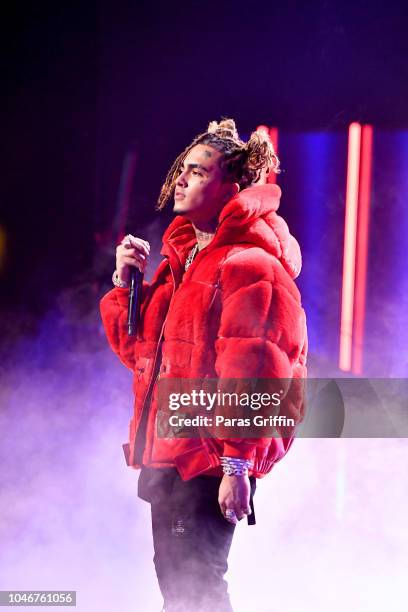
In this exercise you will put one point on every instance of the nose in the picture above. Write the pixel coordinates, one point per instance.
(181, 179)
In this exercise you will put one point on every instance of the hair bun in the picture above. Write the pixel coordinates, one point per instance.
(224, 129)
(261, 152)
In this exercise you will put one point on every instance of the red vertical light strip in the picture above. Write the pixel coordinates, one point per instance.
(124, 196)
(274, 136)
(362, 246)
(350, 232)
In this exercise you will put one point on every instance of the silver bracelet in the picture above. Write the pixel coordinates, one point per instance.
(234, 466)
(117, 282)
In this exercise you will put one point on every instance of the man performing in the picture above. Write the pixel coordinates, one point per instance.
(222, 304)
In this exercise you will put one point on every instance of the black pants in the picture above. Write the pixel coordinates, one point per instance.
(191, 539)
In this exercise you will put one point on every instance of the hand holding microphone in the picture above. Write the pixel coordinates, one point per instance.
(131, 253)
(131, 260)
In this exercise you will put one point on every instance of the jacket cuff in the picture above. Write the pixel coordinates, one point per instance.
(241, 449)
(122, 295)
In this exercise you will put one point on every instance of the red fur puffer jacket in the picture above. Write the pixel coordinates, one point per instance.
(236, 313)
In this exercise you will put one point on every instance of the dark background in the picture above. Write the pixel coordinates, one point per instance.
(83, 83)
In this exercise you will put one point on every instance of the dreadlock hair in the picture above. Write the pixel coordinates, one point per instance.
(241, 162)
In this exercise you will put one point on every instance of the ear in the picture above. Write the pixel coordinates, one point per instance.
(235, 188)
(232, 191)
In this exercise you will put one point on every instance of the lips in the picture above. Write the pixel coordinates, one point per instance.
(179, 196)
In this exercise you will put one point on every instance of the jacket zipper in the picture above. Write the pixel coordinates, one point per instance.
(153, 379)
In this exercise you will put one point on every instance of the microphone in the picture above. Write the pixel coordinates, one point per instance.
(135, 300)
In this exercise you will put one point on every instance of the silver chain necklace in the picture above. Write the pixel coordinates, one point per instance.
(190, 257)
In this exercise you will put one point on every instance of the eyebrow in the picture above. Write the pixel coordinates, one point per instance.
(199, 166)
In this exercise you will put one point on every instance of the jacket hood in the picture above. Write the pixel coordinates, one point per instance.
(250, 217)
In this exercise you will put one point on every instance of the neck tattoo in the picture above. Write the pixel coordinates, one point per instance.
(204, 236)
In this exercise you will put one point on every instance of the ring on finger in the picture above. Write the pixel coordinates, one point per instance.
(229, 513)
